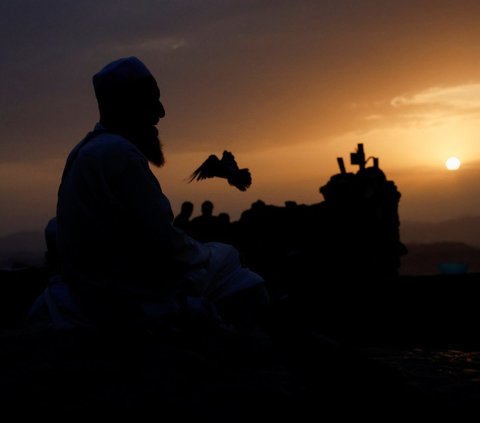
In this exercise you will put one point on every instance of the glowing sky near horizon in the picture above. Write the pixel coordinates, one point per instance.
(287, 86)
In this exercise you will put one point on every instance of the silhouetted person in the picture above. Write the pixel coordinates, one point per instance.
(182, 220)
(124, 264)
(205, 227)
(224, 218)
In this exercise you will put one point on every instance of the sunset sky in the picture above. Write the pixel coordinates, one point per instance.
(286, 85)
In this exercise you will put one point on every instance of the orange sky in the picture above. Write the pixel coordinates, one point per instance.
(287, 86)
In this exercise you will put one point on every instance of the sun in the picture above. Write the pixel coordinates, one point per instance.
(452, 163)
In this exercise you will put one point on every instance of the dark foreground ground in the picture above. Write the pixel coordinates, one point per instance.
(404, 348)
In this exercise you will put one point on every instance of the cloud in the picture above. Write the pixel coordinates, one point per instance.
(155, 45)
(455, 106)
(446, 106)
(465, 96)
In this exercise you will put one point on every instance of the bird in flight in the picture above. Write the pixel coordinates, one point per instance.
(225, 168)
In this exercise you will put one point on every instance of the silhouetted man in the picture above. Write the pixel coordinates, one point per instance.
(182, 220)
(205, 226)
(123, 261)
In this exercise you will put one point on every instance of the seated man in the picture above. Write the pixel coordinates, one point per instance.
(123, 262)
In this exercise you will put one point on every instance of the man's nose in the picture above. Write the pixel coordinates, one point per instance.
(160, 110)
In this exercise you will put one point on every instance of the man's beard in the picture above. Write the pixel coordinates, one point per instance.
(148, 142)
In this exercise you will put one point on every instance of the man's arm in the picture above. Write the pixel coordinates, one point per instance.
(141, 195)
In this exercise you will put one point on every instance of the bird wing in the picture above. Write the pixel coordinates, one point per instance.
(208, 169)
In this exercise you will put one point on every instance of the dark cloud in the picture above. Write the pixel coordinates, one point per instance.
(230, 71)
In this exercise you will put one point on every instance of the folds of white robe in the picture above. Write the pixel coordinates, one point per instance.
(222, 277)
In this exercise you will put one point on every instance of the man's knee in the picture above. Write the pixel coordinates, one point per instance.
(245, 306)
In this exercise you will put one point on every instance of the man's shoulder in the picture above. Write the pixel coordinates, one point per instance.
(109, 144)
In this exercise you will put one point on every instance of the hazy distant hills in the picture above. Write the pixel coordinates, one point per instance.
(464, 230)
(429, 245)
(22, 248)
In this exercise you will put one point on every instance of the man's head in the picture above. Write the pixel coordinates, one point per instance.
(129, 103)
(187, 208)
(207, 208)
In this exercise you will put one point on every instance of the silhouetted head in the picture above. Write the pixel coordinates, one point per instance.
(127, 93)
(207, 208)
(186, 208)
(289, 204)
(224, 217)
(257, 205)
(129, 103)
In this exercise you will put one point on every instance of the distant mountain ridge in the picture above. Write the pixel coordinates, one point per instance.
(464, 230)
(22, 248)
(23, 241)
(428, 243)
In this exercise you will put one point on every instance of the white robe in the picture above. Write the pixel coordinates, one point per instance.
(115, 236)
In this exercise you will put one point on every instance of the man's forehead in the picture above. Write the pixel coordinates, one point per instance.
(124, 68)
(121, 74)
